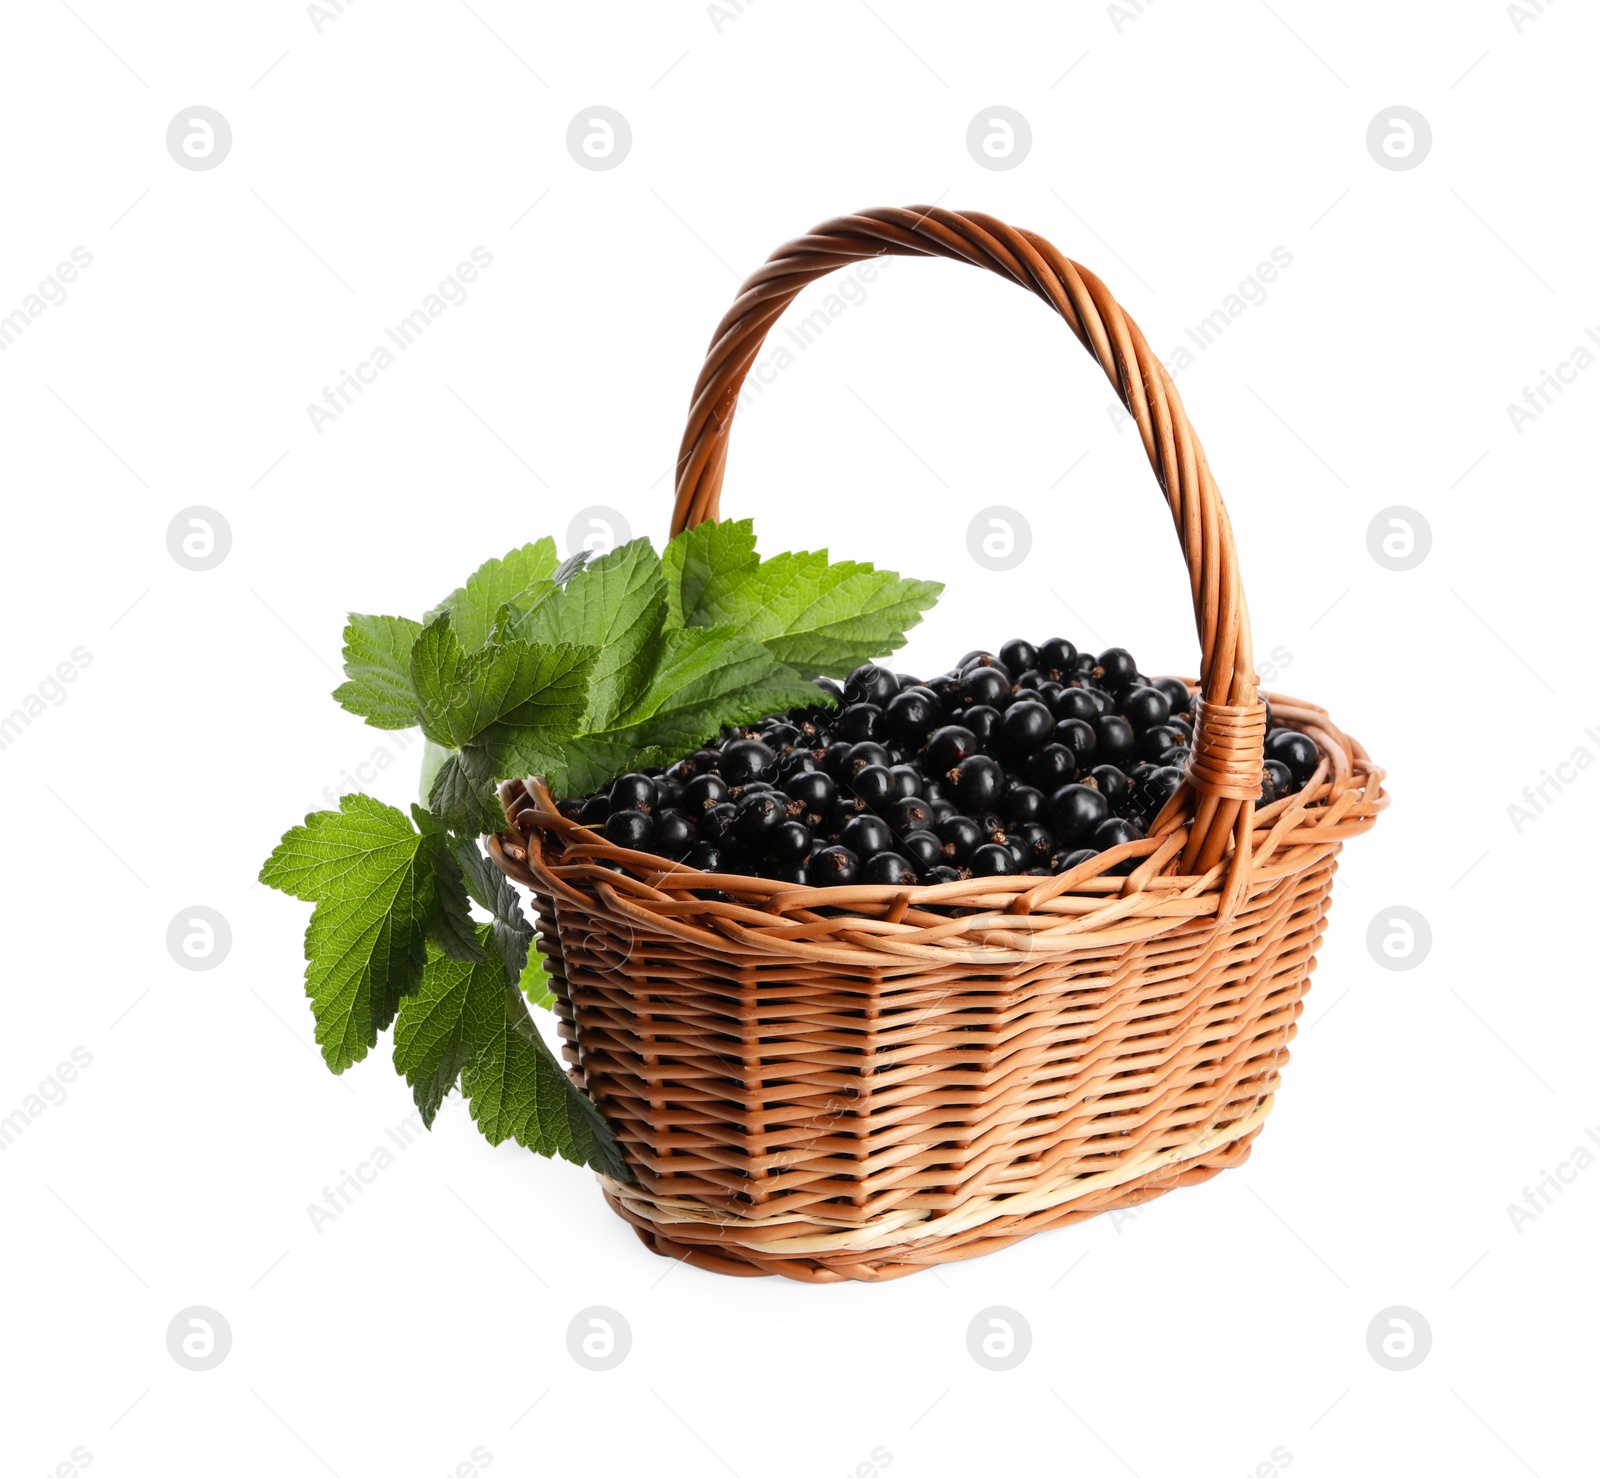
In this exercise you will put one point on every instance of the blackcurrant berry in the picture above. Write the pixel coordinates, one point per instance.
(986, 685)
(1154, 790)
(1074, 703)
(1111, 783)
(716, 824)
(911, 715)
(1051, 767)
(909, 813)
(992, 827)
(703, 857)
(675, 834)
(1153, 743)
(780, 736)
(1027, 724)
(1056, 657)
(960, 836)
(595, 810)
(923, 848)
(890, 868)
(759, 817)
(1113, 832)
(1019, 655)
(942, 874)
(1024, 803)
(791, 872)
(984, 721)
(993, 860)
(841, 811)
(870, 683)
(704, 792)
(859, 756)
(1113, 736)
(796, 762)
(907, 780)
(833, 759)
(873, 784)
(572, 809)
(1296, 750)
(834, 867)
(633, 793)
(1115, 669)
(813, 789)
(1075, 811)
(1078, 735)
(860, 721)
(1176, 692)
(632, 828)
(1144, 708)
(744, 760)
(1065, 861)
(1277, 781)
(947, 747)
(979, 782)
(791, 842)
(867, 835)
(1037, 842)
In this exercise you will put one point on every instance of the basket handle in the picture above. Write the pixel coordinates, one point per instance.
(1225, 764)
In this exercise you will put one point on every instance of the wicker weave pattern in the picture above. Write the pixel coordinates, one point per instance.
(860, 1082)
(857, 1095)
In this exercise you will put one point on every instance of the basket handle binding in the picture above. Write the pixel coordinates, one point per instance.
(1230, 728)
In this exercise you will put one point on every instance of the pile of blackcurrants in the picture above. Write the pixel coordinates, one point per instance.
(1029, 761)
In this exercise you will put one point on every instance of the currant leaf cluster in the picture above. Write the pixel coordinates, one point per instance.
(580, 671)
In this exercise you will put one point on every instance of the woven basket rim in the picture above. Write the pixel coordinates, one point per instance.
(1007, 917)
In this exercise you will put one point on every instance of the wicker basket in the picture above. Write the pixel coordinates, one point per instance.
(859, 1082)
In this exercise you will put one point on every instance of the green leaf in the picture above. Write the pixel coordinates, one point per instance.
(452, 929)
(517, 1090)
(617, 604)
(374, 888)
(821, 619)
(463, 793)
(377, 662)
(491, 890)
(705, 563)
(457, 1011)
(522, 579)
(704, 679)
(535, 984)
(517, 693)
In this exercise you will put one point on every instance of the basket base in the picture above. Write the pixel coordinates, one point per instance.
(710, 1251)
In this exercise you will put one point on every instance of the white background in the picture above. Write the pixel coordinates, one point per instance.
(1172, 151)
